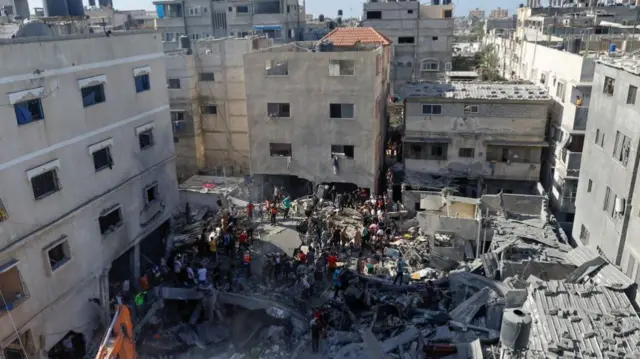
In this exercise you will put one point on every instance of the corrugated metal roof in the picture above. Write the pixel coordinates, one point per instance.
(585, 321)
(349, 36)
(608, 275)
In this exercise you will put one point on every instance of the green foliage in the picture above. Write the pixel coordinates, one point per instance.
(488, 64)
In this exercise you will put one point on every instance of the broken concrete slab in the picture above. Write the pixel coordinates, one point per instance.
(467, 310)
(171, 293)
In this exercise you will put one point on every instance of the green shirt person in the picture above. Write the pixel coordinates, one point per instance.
(139, 299)
(287, 203)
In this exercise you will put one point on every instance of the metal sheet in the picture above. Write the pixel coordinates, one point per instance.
(608, 275)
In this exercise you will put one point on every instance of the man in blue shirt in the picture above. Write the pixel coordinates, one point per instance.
(399, 270)
(287, 205)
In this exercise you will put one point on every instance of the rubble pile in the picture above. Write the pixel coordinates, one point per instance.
(371, 283)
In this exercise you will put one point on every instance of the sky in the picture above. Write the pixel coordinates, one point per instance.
(350, 8)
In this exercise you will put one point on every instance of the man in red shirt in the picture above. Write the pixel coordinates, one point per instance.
(332, 260)
(242, 239)
(250, 210)
(302, 257)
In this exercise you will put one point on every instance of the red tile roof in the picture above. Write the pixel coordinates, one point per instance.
(349, 36)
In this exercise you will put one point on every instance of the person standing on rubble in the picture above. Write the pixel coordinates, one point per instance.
(202, 275)
(246, 262)
(315, 334)
(274, 213)
(332, 263)
(399, 270)
(250, 210)
(277, 267)
(286, 203)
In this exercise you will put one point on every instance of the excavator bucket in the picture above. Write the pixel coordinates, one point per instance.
(118, 342)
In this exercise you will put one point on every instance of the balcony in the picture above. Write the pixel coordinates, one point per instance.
(571, 162)
(574, 118)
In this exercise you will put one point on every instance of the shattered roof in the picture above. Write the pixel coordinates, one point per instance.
(581, 321)
(606, 274)
(476, 90)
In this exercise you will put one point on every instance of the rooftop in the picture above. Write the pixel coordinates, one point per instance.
(629, 63)
(350, 36)
(476, 90)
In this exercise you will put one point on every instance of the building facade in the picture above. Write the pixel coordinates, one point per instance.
(608, 192)
(280, 20)
(474, 138)
(422, 37)
(498, 13)
(87, 179)
(477, 14)
(208, 106)
(308, 114)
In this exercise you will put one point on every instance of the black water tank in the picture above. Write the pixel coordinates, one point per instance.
(321, 18)
(76, 8)
(339, 12)
(55, 8)
(435, 2)
(92, 2)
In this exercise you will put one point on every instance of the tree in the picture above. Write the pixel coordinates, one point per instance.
(488, 64)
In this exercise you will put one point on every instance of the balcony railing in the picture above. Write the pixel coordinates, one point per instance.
(572, 162)
(580, 118)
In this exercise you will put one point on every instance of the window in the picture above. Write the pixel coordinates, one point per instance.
(280, 149)
(341, 68)
(151, 193)
(609, 86)
(607, 195)
(194, 11)
(3, 212)
(145, 139)
(14, 291)
(341, 110)
(589, 185)
(560, 91)
(242, 9)
(45, 184)
(409, 11)
(343, 151)
(622, 148)
(543, 78)
(209, 110)
(93, 95)
(169, 37)
(173, 83)
(59, 254)
(372, 15)
(432, 109)
(406, 40)
(430, 65)
(28, 111)
(471, 109)
(466, 152)
(599, 138)
(448, 66)
(102, 159)
(512, 154)
(434, 38)
(631, 95)
(447, 14)
(278, 110)
(584, 234)
(230, 8)
(207, 76)
(276, 68)
(142, 83)
(631, 265)
(427, 151)
(110, 220)
(195, 36)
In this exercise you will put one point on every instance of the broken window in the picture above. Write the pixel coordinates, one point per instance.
(280, 149)
(560, 91)
(278, 110)
(93, 95)
(511, 154)
(432, 109)
(466, 152)
(584, 234)
(609, 85)
(438, 152)
(151, 193)
(173, 83)
(145, 139)
(434, 38)
(207, 77)
(177, 119)
(447, 14)
(622, 148)
(142, 83)
(341, 110)
(102, 159)
(430, 65)
(345, 151)
(209, 110)
(406, 40)
(341, 67)
(242, 9)
(471, 109)
(3, 212)
(45, 184)
(631, 95)
(59, 254)
(28, 111)
(427, 151)
(110, 220)
(373, 15)
(13, 289)
(599, 138)
(277, 68)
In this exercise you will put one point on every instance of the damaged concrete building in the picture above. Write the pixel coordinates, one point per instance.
(88, 184)
(208, 105)
(607, 201)
(474, 137)
(308, 115)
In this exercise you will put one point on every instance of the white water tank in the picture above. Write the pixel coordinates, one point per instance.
(516, 329)
(619, 206)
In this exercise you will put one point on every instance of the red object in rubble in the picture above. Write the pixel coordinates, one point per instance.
(209, 185)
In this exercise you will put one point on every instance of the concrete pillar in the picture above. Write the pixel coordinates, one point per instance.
(103, 285)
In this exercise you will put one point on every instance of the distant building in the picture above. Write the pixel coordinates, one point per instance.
(477, 14)
(474, 137)
(309, 118)
(498, 13)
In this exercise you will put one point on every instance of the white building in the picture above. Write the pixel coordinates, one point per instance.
(87, 175)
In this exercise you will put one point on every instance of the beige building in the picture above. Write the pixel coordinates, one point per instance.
(208, 106)
(474, 138)
(308, 114)
(498, 13)
(476, 13)
(87, 180)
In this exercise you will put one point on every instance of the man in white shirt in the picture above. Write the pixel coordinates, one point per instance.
(202, 275)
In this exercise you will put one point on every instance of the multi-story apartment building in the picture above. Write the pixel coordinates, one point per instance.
(422, 37)
(87, 177)
(474, 137)
(608, 191)
(280, 20)
(208, 105)
(498, 13)
(477, 14)
(308, 114)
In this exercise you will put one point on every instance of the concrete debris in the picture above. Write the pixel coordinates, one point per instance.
(340, 277)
